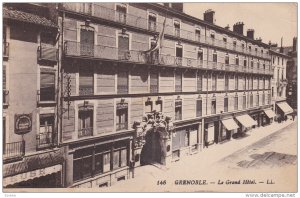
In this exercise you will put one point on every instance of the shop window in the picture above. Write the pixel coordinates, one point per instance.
(82, 164)
(86, 81)
(46, 132)
(119, 158)
(154, 82)
(106, 162)
(152, 22)
(47, 86)
(199, 108)
(199, 81)
(236, 102)
(122, 116)
(197, 35)
(121, 11)
(178, 81)
(178, 109)
(177, 28)
(213, 106)
(122, 84)
(85, 122)
(226, 104)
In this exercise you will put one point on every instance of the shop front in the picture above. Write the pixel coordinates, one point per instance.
(38, 171)
(99, 163)
(267, 117)
(185, 141)
(256, 116)
(228, 129)
(211, 131)
(245, 123)
(282, 110)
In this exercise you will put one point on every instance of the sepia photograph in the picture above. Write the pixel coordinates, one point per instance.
(149, 97)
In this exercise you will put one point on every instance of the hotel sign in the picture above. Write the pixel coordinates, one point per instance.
(23, 123)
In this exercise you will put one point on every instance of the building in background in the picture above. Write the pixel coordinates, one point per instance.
(30, 66)
(122, 61)
(292, 74)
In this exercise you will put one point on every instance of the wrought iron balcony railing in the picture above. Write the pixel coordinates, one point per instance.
(86, 132)
(143, 23)
(77, 49)
(5, 49)
(45, 140)
(14, 150)
(47, 53)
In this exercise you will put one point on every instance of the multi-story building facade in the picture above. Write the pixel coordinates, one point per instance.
(214, 83)
(279, 82)
(291, 92)
(30, 66)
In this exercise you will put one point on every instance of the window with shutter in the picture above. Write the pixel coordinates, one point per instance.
(87, 41)
(152, 22)
(85, 122)
(47, 86)
(123, 47)
(199, 108)
(199, 81)
(86, 81)
(178, 109)
(122, 116)
(45, 135)
(121, 13)
(226, 104)
(178, 82)
(122, 85)
(153, 81)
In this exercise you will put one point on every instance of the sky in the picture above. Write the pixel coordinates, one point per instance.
(270, 21)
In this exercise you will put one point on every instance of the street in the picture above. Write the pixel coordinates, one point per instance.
(264, 161)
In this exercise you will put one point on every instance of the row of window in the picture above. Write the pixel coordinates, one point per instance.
(122, 13)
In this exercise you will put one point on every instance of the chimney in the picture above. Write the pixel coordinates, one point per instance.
(209, 16)
(281, 48)
(239, 28)
(227, 27)
(294, 44)
(250, 33)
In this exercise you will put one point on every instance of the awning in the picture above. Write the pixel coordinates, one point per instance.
(246, 120)
(230, 124)
(270, 113)
(285, 108)
(32, 167)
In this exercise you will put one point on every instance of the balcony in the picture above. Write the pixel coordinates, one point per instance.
(47, 53)
(136, 21)
(5, 97)
(45, 140)
(5, 49)
(14, 150)
(86, 132)
(121, 126)
(86, 90)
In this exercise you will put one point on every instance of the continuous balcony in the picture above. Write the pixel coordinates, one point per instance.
(14, 150)
(47, 53)
(143, 23)
(76, 49)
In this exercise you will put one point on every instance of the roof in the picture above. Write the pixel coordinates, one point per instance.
(276, 50)
(211, 25)
(27, 17)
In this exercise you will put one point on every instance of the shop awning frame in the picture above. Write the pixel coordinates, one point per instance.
(285, 108)
(246, 120)
(270, 113)
(230, 124)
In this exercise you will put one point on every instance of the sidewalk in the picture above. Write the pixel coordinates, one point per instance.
(197, 164)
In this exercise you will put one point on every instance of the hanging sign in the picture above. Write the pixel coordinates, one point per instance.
(23, 123)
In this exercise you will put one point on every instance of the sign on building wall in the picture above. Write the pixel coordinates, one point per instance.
(23, 123)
